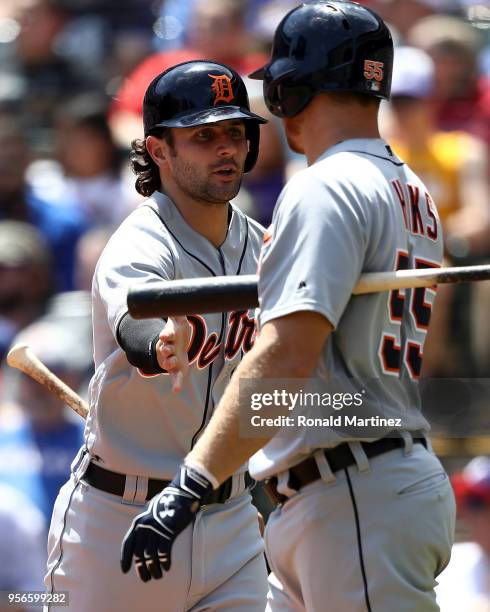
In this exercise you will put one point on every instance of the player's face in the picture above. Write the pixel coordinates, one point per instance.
(207, 161)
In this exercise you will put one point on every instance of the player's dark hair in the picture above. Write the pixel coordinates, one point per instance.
(148, 177)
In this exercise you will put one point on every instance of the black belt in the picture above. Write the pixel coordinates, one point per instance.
(115, 483)
(339, 458)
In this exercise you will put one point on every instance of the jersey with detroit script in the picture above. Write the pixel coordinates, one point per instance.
(136, 424)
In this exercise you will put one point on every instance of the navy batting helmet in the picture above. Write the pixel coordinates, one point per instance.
(199, 92)
(326, 46)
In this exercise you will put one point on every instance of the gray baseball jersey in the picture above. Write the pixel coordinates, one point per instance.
(137, 425)
(358, 209)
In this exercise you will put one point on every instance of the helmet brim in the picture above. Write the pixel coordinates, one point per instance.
(211, 115)
(258, 75)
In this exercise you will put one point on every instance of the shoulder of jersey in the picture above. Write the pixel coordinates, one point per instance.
(325, 173)
(142, 218)
(343, 165)
(343, 176)
(145, 214)
(255, 227)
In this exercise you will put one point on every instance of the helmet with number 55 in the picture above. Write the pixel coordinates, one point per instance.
(326, 46)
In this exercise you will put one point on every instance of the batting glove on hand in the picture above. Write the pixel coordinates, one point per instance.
(153, 532)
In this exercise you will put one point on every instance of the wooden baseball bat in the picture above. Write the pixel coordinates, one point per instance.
(225, 293)
(21, 357)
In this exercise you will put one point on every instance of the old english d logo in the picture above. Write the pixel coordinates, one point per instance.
(222, 89)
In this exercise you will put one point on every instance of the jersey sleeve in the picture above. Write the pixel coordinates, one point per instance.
(135, 255)
(315, 252)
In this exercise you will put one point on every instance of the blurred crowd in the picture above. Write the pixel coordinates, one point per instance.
(72, 78)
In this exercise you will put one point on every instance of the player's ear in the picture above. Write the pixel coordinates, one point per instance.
(157, 149)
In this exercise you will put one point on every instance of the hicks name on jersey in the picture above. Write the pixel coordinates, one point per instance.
(412, 202)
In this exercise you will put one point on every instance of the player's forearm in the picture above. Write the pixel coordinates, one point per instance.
(277, 354)
(221, 449)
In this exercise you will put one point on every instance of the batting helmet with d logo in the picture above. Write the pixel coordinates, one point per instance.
(200, 92)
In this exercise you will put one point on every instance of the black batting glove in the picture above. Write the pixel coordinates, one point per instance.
(153, 532)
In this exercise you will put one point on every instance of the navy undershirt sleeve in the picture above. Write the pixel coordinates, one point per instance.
(138, 339)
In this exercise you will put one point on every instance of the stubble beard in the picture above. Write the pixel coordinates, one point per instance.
(200, 187)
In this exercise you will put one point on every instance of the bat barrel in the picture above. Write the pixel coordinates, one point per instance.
(227, 293)
(178, 297)
(464, 274)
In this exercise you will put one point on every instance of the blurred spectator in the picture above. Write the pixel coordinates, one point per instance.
(88, 172)
(172, 24)
(39, 436)
(32, 67)
(22, 545)
(452, 164)
(464, 586)
(116, 34)
(461, 95)
(401, 14)
(25, 279)
(263, 17)
(89, 249)
(217, 33)
(58, 221)
(92, 162)
(260, 18)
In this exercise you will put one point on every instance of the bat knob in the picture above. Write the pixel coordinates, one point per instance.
(13, 356)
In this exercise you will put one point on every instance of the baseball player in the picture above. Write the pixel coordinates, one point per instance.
(367, 514)
(200, 137)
